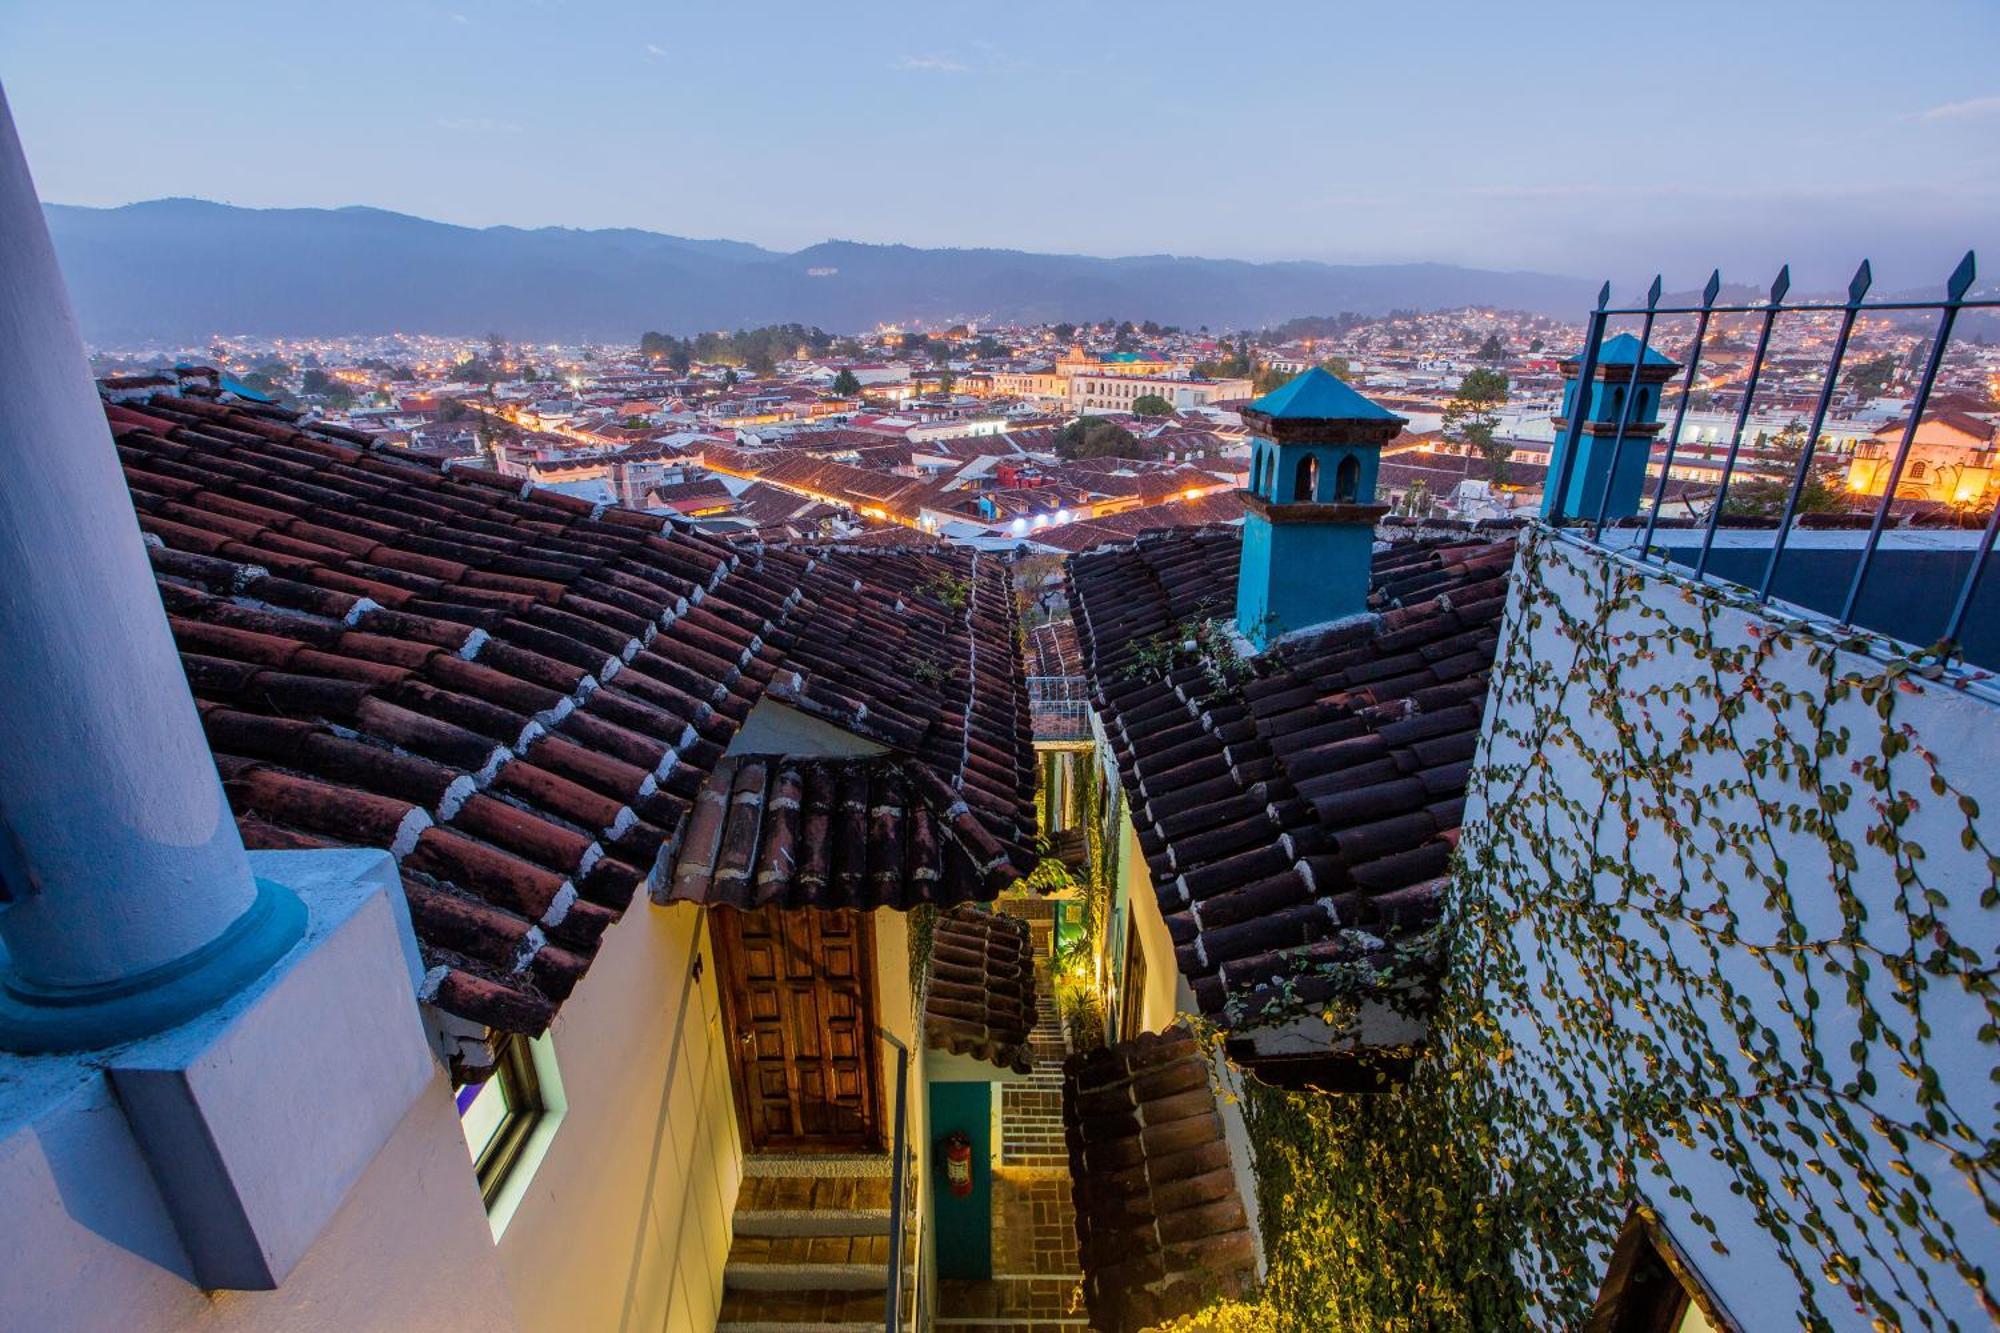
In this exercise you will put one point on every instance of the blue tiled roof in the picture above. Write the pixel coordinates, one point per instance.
(1320, 396)
(1620, 350)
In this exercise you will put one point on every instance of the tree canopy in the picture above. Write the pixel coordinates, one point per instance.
(1151, 405)
(1271, 377)
(759, 349)
(1232, 364)
(1761, 497)
(1870, 379)
(846, 384)
(320, 384)
(1473, 414)
(1314, 326)
(1095, 437)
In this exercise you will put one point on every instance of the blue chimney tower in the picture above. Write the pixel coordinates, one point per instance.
(1309, 535)
(1602, 407)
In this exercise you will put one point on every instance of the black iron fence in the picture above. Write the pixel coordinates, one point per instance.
(1642, 535)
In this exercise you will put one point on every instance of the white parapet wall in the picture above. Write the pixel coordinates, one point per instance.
(1741, 887)
(297, 1143)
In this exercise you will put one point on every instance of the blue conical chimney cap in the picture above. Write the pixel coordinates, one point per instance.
(1319, 395)
(1619, 351)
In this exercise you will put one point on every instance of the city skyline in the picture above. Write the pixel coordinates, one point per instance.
(1173, 134)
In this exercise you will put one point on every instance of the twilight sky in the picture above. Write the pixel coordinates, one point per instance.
(1495, 134)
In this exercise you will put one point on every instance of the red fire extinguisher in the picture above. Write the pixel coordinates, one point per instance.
(958, 1163)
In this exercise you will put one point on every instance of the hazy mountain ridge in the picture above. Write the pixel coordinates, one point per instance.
(182, 269)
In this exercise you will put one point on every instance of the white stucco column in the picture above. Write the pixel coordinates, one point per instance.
(123, 882)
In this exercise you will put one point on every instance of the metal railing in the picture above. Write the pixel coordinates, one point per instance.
(1059, 707)
(899, 1171)
(1768, 313)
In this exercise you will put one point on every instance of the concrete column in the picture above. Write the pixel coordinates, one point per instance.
(125, 895)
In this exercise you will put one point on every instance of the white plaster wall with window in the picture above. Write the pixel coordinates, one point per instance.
(622, 1222)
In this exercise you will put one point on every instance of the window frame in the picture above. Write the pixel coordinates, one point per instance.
(521, 1085)
(1634, 1299)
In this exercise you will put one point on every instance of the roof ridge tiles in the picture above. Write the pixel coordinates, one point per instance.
(385, 605)
(1403, 692)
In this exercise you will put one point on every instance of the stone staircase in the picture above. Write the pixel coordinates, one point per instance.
(1035, 1272)
(811, 1248)
(1031, 1129)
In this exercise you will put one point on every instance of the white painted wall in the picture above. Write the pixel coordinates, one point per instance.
(409, 1249)
(896, 1012)
(88, 1237)
(1166, 993)
(777, 728)
(1964, 733)
(626, 1222)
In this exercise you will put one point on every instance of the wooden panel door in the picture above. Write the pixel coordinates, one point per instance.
(798, 991)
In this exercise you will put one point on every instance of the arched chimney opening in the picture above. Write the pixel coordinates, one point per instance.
(1305, 480)
(1347, 481)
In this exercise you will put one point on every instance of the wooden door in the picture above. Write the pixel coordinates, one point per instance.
(798, 990)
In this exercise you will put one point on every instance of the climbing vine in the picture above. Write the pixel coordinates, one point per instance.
(1721, 939)
(1201, 640)
(922, 920)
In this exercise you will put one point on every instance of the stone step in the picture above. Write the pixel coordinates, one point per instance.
(810, 1263)
(793, 1311)
(817, 1164)
(771, 1206)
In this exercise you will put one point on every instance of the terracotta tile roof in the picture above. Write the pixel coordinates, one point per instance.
(1053, 650)
(894, 537)
(1113, 529)
(768, 830)
(1291, 817)
(1150, 483)
(692, 494)
(518, 692)
(915, 648)
(809, 475)
(1161, 1228)
(980, 996)
(779, 512)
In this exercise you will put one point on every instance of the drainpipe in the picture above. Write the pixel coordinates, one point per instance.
(127, 905)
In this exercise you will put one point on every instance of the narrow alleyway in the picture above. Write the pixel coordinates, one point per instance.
(1035, 1271)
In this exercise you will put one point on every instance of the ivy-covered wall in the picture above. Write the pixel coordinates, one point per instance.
(1730, 895)
(1721, 944)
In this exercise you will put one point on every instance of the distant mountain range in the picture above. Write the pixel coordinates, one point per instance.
(183, 269)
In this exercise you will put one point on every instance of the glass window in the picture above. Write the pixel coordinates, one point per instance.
(498, 1116)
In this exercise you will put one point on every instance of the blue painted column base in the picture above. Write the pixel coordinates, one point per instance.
(43, 1020)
